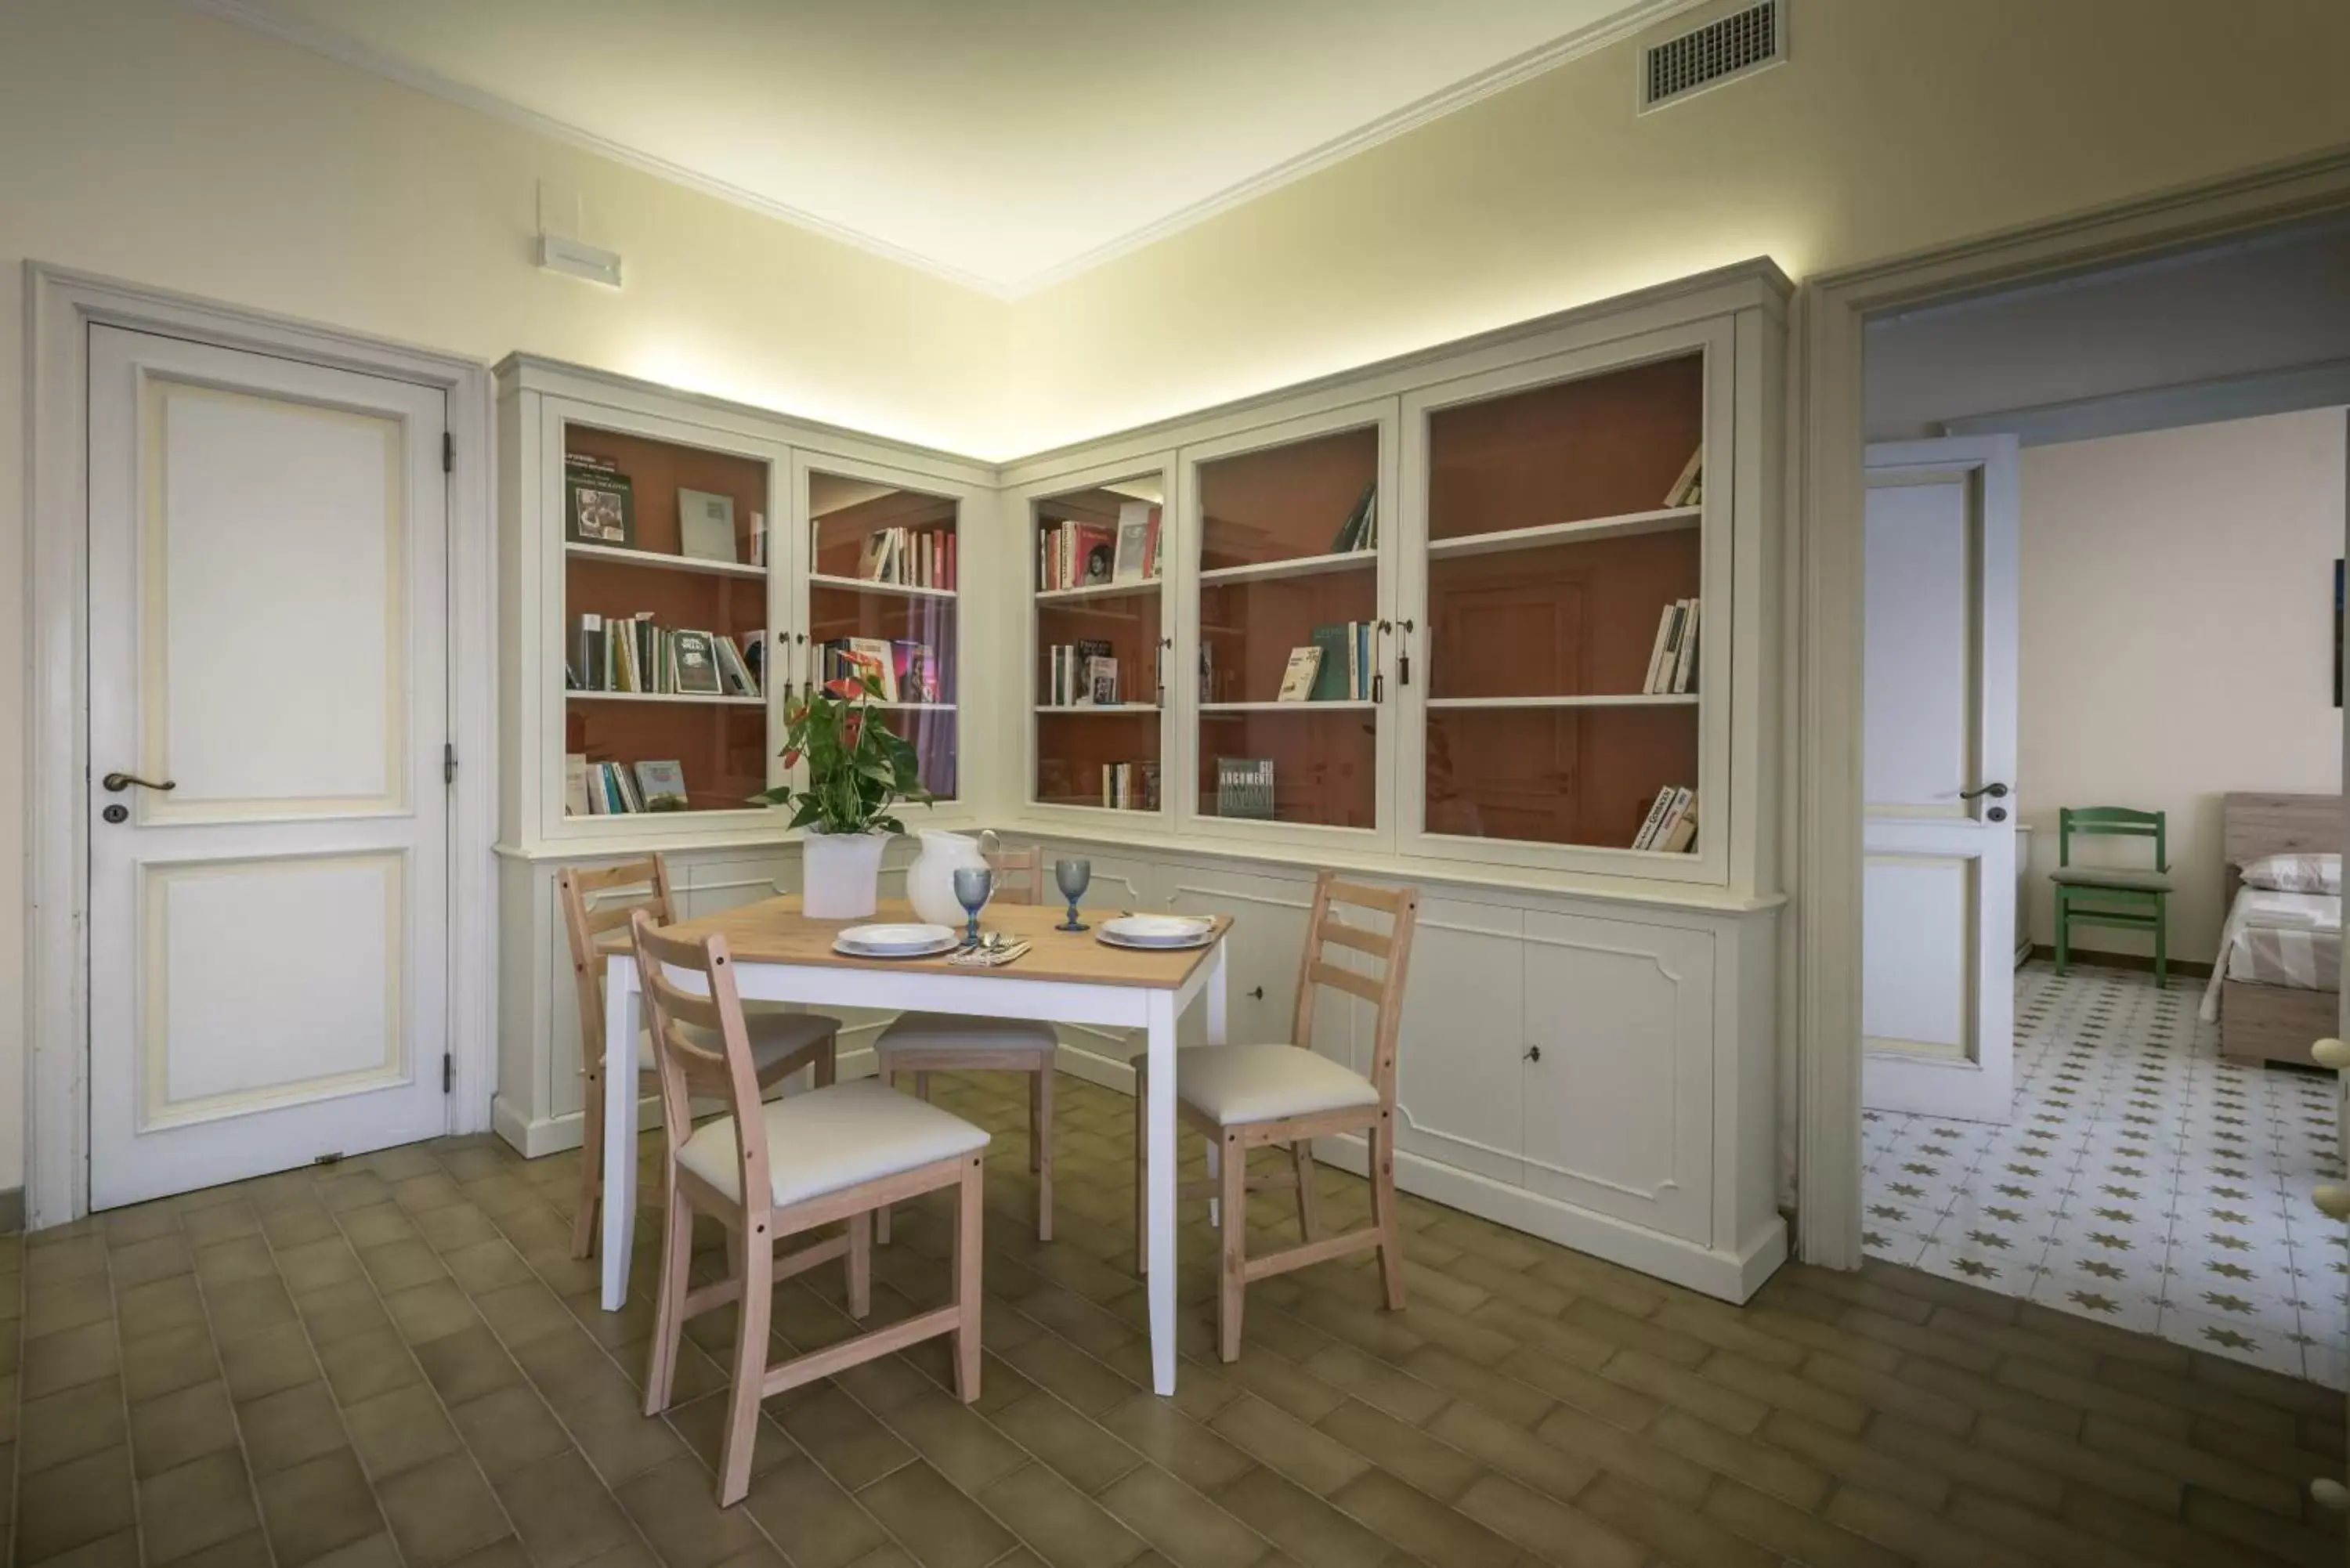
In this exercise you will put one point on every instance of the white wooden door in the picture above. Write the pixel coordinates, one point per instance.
(1937, 878)
(266, 637)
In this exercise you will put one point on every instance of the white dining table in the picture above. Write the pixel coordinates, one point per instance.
(780, 955)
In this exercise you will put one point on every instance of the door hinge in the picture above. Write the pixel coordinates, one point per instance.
(448, 1073)
(448, 762)
(448, 451)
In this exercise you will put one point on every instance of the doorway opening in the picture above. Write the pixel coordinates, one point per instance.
(2100, 885)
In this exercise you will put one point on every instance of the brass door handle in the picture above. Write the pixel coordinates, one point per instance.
(115, 783)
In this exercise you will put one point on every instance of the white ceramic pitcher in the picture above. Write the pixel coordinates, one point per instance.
(929, 881)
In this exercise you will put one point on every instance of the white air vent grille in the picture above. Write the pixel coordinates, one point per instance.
(1742, 41)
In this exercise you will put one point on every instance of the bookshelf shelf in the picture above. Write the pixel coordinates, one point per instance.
(1622, 700)
(867, 585)
(1296, 566)
(1111, 710)
(912, 707)
(1331, 707)
(688, 698)
(659, 561)
(1629, 525)
(1078, 595)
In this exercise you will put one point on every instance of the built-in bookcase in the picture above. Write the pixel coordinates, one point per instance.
(1100, 645)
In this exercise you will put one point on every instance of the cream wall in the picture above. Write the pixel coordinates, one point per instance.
(149, 141)
(1895, 124)
(144, 141)
(2177, 613)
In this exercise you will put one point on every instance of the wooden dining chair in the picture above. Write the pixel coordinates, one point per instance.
(927, 1042)
(1248, 1097)
(597, 903)
(773, 1170)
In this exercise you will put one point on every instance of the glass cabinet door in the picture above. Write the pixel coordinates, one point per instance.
(1290, 630)
(884, 565)
(1562, 578)
(664, 618)
(1100, 644)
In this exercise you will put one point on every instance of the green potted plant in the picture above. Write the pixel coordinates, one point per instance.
(858, 771)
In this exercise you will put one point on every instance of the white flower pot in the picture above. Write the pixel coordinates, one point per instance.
(840, 874)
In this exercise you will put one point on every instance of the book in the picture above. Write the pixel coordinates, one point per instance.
(587, 650)
(705, 525)
(692, 659)
(1684, 676)
(1658, 808)
(1355, 532)
(1656, 651)
(863, 657)
(758, 538)
(1244, 788)
(602, 505)
(1689, 489)
(661, 786)
(1094, 559)
(1297, 679)
(1334, 681)
(734, 673)
(574, 784)
(916, 672)
(754, 660)
(1676, 618)
(1680, 835)
(1151, 552)
(1136, 520)
(1101, 681)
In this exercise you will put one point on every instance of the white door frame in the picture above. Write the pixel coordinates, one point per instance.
(61, 305)
(1824, 734)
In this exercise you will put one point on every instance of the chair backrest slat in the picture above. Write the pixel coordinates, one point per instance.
(2112, 822)
(1019, 875)
(1391, 950)
(586, 916)
(686, 1065)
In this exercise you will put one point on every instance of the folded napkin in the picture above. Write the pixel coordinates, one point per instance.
(988, 958)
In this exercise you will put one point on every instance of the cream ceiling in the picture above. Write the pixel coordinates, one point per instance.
(1005, 144)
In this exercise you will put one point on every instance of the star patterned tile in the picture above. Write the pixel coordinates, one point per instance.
(2143, 1181)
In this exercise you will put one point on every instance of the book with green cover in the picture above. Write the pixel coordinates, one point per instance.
(1337, 643)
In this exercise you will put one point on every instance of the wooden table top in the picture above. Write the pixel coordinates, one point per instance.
(775, 931)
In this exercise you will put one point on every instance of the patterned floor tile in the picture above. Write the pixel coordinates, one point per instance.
(2142, 1180)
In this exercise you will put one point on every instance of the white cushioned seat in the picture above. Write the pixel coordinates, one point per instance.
(834, 1137)
(1240, 1084)
(956, 1032)
(773, 1033)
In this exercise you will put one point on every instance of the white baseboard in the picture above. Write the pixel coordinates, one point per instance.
(553, 1134)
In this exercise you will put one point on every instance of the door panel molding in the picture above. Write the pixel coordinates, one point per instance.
(63, 306)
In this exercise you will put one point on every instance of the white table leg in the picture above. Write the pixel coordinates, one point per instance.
(623, 1004)
(1158, 1065)
(1216, 994)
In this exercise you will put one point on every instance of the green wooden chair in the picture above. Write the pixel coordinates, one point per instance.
(2111, 895)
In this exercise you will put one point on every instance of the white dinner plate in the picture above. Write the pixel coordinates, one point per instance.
(894, 938)
(948, 946)
(1206, 938)
(1158, 930)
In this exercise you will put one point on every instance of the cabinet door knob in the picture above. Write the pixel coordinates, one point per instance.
(1256, 994)
(1534, 1053)
(2334, 1202)
(2331, 1054)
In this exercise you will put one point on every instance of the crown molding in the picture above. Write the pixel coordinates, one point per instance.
(1634, 18)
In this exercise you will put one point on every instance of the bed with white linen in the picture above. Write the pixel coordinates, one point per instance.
(2275, 982)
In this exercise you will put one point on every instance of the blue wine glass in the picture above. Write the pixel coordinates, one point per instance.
(1072, 876)
(972, 884)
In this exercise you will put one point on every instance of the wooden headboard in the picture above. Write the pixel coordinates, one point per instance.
(2258, 824)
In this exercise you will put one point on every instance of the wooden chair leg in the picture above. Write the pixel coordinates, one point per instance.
(1232, 1290)
(860, 1265)
(1141, 1175)
(669, 1303)
(588, 1212)
(881, 1215)
(1383, 1210)
(826, 1071)
(968, 1246)
(757, 1279)
(1040, 1146)
(1301, 1153)
(923, 1086)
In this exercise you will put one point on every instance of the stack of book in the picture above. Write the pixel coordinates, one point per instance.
(904, 670)
(1074, 554)
(1345, 671)
(1689, 490)
(1671, 823)
(1360, 530)
(1672, 662)
(637, 654)
(611, 789)
(1082, 675)
(1130, 787)
(909, 558)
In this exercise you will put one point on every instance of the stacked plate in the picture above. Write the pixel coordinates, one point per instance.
(1158, 931)
(896, 941)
